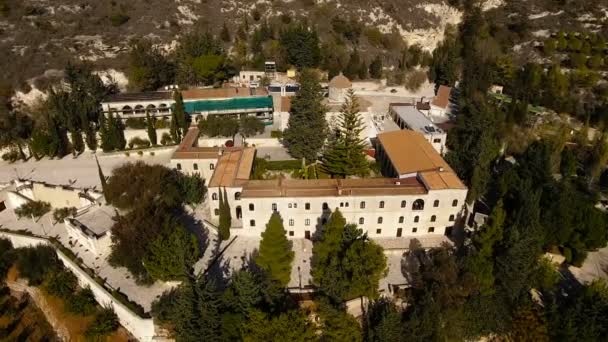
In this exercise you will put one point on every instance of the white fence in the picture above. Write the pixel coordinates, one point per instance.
(141, 328)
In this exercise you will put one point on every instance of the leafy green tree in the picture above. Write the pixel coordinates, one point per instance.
(290, 326)
(61, 284)
(105, 323)
(36, 263)
(345, 263)
(307, 128)
(61, 214)
(337, 325)
(151, 129)
(250, 126)
(35, 209)
(345, 153)
(382, 321)
(275, 255)
(170, 256)
(375, 68)
(81, 303)
(301, 45)
(481, 262)
(225, 216)
(201, 59)
(148, 68)
(193, 189)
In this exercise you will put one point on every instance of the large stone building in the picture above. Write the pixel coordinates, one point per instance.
(422, 195)
(197, 102)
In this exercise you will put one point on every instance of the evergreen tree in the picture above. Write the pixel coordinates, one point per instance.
(225, 219)
(225, 34)
(151, 129)
(195, 314)
(174, 129)
(345, 263)
(339, 326)
(354, 65)
(105, 134)
(171, 255)
(77, 142)
(180, 114)
(292, 325)
(345, 154)
(91, 136)
(276, 255)
(119, 134)
(375, 68)
(307, 128)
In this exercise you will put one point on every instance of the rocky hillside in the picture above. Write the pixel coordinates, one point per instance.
(37, 36)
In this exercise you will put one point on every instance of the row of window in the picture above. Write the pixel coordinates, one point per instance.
(195, 167)
(379, 231)
(292, 222)
(417, 205)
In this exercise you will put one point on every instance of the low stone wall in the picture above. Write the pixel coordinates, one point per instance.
(141, 328)
(258, 142)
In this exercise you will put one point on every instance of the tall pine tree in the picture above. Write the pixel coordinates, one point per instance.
(180, 114)
(104, 131)
(345, 153)
(276, 255)
(225, 219)
(307, 128)
(151, 129)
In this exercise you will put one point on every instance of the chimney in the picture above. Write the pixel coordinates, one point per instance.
(398, 183)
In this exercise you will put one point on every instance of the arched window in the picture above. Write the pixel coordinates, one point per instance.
(162, 108)
(214, 196)
(433, 218)
(401, 219)
(252, 223)
(151, 108)
(139, 109)
(211, 166)
(451, 219)
(380, 220)
(416, 219)
(403, 204)
(237, 196)
(251, 207)
(179, 166)
(361, 220)
(455, 203)
(381, 204)
(418, 205)
(436, 203)
(127, 110)
(325, 206)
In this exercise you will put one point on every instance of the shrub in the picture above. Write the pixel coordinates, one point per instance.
(119, 19)
(105, 323)
(139, 142)
(11, 156)
(161, 123)
(140, 153)
(283, 165)
(35, 263)
(33, 208)
(62, 213)
(81, 303)
(414, 80)
(127, 154)
(166, 139)
(136, 123)
(61, 284)
(276, 134)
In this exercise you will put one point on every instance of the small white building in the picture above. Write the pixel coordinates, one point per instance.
(409, 117)
(338, 88)
(441, 102)
(249, 78)
(92, 228)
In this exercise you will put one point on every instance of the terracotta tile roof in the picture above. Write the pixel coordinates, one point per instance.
(340, 81)
(332, 187)
(410, 152)
(219, 93)
(441, 180)
(233, 168)
(442, 99)
(188, 149)
(285, 104)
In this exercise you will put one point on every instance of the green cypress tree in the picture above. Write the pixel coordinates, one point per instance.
(224, 226)
(77, 142)
(151, 129)
(91, 136)
(275, 254)
(180, 113)
(105, 134)
(119, 127)
(307, 128)
(174, 129)
(375, 68)
(345, 153)
(227, 209)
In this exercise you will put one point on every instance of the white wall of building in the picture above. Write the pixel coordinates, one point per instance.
(100, 246)
(310, 219)
(202, 167)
